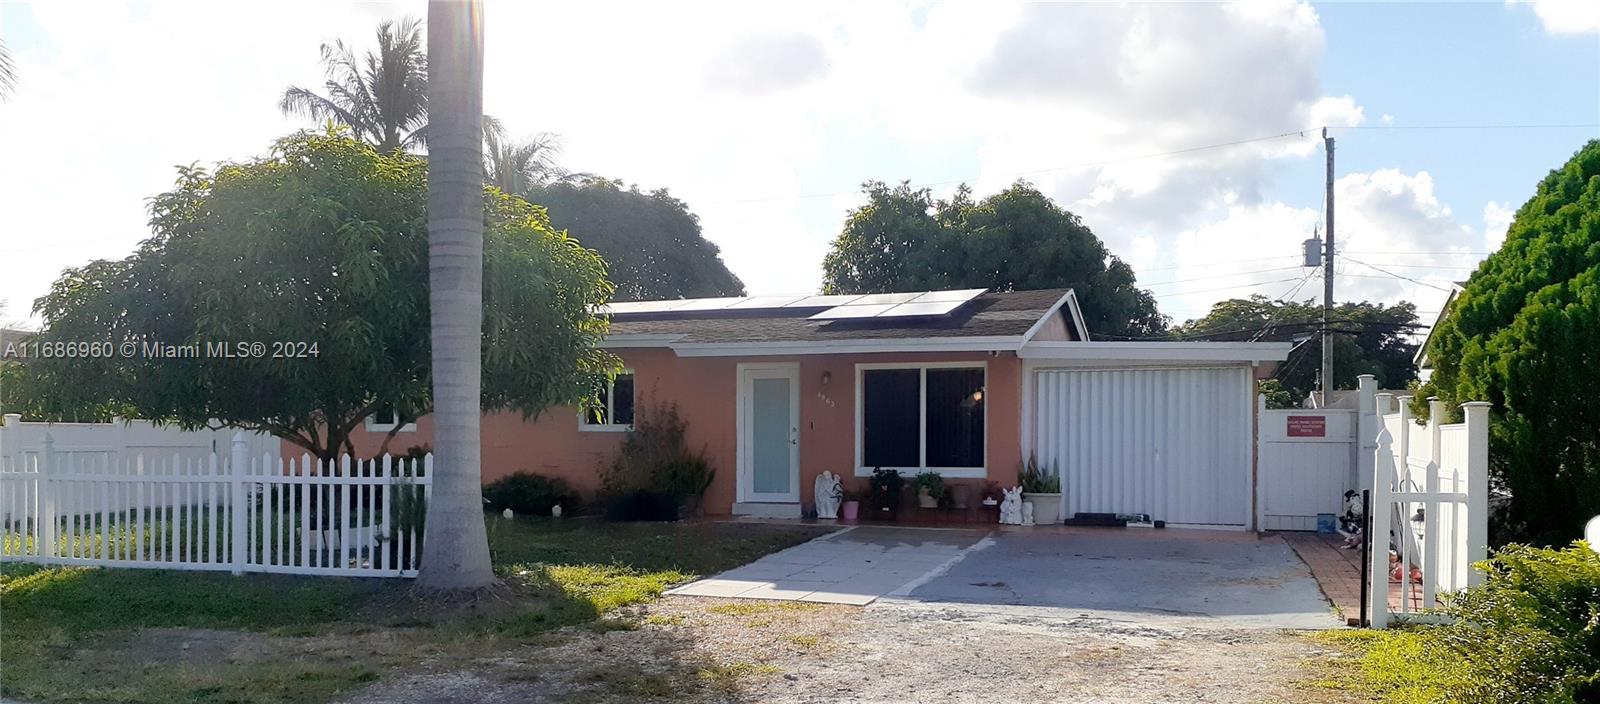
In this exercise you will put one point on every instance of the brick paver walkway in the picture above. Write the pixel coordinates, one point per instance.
(1338, 572)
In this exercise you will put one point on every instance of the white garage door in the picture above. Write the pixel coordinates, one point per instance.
(1172, 443)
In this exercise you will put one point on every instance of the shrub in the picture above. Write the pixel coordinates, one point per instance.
(1531, 631)
(530, 494)
(642, 505)
(885, 487)
(655, 460)
(1035, 479)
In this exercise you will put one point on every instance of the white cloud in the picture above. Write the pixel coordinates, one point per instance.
(1566, 16)
(736, 107)
(1496, 220)
(1396, 241)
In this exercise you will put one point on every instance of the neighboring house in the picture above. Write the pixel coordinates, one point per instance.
(778, 389)
(1425, 365)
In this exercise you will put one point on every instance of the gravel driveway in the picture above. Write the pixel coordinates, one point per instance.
(701, 649)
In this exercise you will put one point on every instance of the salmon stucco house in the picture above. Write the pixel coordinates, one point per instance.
(966, 383)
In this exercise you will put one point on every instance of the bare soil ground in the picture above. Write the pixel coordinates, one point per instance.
(720, 650)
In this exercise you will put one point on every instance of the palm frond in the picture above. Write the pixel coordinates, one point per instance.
(299, 101)
(8, 73)
(381, 95)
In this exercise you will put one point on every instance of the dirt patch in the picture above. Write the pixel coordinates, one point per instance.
(721, 650)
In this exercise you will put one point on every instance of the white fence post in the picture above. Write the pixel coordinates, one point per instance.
(1366, 430)
(1477, 413)
(1381, 510)
(237, 509)
(8, 425)
(47, 499)
(1432, 570)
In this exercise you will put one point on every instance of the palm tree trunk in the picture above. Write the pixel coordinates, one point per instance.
(456, 550)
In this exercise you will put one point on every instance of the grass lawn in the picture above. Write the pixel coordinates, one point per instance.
(1395, 666)
(126, 635)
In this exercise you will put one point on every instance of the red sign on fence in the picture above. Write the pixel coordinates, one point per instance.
(1308, 427)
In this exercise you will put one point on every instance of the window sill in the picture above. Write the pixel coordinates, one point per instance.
(386, 427)
(947, 472)
(609, 428)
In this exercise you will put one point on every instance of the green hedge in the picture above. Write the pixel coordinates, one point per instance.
(1530, 633)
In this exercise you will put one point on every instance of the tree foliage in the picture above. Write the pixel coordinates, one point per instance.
(1017, 239)
(1371, 338)
(325, 242)
(1524, 335)
(516, 166)
(382, 97)
(650, 241)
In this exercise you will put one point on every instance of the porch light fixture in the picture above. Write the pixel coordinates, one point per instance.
(827, 377)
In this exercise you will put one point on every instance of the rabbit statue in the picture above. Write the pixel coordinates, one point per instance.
(1011, 507)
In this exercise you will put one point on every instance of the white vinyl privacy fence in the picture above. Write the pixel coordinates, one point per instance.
(1430, 498)
(21, 441)
(220, 511)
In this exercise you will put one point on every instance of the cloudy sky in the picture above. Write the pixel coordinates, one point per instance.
(766, 118)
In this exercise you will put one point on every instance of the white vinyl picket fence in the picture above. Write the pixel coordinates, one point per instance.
(355, 518)
(1437, 473)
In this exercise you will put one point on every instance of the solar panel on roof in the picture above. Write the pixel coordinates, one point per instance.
(901, 305)
(961, 295)
(919, 309)
(873, 299)
(838, 307)
(625, 307)
(764, 302)
(826, 301)
(705, 304)
(852, 312)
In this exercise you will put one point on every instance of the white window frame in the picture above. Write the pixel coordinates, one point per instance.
(611, 401)
(922, 412)
(373, 426)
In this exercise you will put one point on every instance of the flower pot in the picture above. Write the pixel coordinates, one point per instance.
(1046, 507)
(926, 500)
(849, 510)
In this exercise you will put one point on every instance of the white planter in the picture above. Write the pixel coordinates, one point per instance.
(1046, 507)
(926, 500)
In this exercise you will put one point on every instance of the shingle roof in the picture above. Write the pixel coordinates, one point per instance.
(990, 314)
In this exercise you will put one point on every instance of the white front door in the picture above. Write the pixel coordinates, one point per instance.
(769, 433)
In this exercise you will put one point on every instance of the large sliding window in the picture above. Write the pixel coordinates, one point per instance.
(914, 418)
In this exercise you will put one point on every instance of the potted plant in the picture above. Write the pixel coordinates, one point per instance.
(850, 507)
(992, 494)
(930, 489)
(886, 485)
(1041, 488)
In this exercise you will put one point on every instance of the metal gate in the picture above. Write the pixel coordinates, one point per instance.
(1174, 443)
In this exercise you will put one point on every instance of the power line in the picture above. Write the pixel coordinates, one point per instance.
(1398, 276)
(1575, 125)
(1414, 252)
(1069, 167)
(1291, 292)
(1228, 288)
(1220, 276)
(1431, 266)
(1227, 263)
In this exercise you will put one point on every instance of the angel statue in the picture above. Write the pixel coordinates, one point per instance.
(828, 492)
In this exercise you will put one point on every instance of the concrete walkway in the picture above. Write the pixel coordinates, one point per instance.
(854, 566)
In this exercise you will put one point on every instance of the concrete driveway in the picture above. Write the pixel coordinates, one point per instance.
(1171, 577)
(1183, 577)
(854, 566)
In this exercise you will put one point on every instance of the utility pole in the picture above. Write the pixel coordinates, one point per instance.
(1326, 382)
